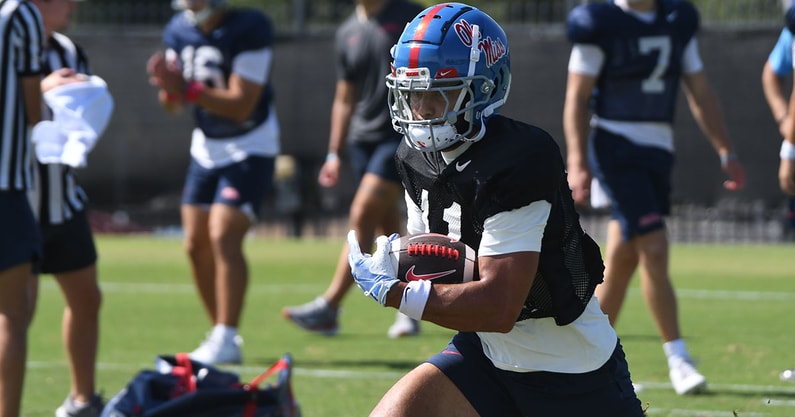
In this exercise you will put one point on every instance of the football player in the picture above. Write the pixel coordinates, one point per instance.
(626, 65)
(21, 44)
(532, 339)
(219, 60)
(362, 129)
(778, 67)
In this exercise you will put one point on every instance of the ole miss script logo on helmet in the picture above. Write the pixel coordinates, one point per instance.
(494, 49)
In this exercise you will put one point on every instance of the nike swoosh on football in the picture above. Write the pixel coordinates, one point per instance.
(411, 276)
(461, 167)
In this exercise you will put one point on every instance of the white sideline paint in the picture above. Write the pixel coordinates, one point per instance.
(188, 288)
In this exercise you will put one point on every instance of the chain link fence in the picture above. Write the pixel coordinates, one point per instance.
(300, 16)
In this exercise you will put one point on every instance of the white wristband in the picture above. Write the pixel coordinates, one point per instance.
(415, 295)
(787, 150)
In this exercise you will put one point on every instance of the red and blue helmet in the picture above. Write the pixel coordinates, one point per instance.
(459, 51)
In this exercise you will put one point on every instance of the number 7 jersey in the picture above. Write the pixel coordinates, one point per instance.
(640, 76)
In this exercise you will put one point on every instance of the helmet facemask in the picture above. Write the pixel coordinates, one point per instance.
(409, 87)
(459, 120)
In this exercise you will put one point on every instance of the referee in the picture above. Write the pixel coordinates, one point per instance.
(21, 46)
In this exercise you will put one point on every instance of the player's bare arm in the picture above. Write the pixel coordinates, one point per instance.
(773, 87)
(235, 102)
(490, 304)
(345, 96)
(786, 176)
(575, 125)
(705, 109)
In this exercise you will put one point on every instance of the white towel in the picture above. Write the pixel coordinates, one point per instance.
(81, 112)
(599, 198)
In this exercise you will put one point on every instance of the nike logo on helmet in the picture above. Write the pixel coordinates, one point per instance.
(411, 276)
(461, 167)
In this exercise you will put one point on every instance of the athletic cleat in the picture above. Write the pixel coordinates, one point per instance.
(788, 375)
(314, 316)
(214, 351)
(70, 408)
(403, 326)
(685, 378)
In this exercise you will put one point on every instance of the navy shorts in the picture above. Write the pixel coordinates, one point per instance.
(68, 246)
(375, 158)
(242, 184)
(605, 392)
(636, 179)
(20, 240)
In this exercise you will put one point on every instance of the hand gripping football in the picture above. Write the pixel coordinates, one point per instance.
(434, 257)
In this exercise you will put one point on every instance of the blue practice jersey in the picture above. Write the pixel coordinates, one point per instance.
(643, 60)
(780, 58)
(208, 58)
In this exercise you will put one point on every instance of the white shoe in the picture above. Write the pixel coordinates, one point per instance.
(215, 351)
(638, 388)
(403, 326)
(788, 375)
(684, 376)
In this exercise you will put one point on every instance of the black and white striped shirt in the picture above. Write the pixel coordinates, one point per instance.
(21, 43)
(58, 196)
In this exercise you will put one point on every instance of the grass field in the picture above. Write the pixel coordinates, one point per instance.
(736, 303)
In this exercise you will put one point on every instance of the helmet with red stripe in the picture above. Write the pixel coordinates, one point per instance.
(457, 51)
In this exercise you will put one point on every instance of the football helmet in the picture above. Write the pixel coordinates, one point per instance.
(197, 17)
(462, 54)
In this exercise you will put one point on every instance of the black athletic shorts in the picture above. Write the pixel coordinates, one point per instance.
(493, 392)
(68, 246)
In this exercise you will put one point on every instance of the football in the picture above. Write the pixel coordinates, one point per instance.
(434, 257)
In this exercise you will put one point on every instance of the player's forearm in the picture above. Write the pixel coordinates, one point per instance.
(773, 88)
(341, 113)
(575, 127)
(225, 103)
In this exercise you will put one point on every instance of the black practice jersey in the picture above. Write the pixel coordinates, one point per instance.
(514, 165)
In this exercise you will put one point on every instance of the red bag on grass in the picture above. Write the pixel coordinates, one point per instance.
(183, 387)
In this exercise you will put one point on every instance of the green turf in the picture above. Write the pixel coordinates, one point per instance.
(736, 306)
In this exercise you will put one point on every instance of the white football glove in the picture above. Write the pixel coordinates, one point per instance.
(374, 274)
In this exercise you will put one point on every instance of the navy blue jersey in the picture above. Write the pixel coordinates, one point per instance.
(21, 43)
(362, 58)
(643, 61)
(58, 196)
(514, 165)
(208, 58)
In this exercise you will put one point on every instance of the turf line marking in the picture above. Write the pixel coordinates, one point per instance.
(700, 413)
(731, 295)
(778, 403)
(153, 287)
(342, 373)
(318, 373)
(733, 388)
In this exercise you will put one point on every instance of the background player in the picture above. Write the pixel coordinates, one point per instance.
(779, 67)
(629, 57)
(219, 59)
(359, 116)
(498, 185)
(69, 252)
